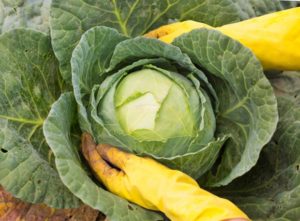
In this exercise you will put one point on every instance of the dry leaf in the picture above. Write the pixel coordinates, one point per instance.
(12, 209)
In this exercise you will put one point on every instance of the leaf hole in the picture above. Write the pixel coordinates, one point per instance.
(39, 181)
(298, 167)
(26, 50)
(296, 95)
(130, 207)
(3, 150)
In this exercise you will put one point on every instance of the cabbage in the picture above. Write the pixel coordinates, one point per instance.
(201, 105)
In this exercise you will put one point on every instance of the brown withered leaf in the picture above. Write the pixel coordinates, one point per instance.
(12, 209)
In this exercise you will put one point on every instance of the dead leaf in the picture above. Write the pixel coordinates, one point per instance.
(12, 209)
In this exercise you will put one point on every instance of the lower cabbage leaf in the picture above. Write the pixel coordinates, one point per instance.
(271, 190)
(59, 125)
(29, 83)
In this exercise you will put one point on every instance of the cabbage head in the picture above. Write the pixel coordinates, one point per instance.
(201, 105)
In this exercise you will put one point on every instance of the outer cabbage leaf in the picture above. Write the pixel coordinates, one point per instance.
(57, 128)
(27, 175)
(32, 14)
(29, 84)
(271, 190)
(248, 109)
(96, 52)
(70, 19)
(254, 8)
(286, 84)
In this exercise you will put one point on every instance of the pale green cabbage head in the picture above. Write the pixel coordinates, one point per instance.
(152, 107)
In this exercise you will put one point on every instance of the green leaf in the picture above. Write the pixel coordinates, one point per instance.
(271, 190)
(248, 110)
(29, 84)
(70, 19)
(254, 8)
(137, 48)
(286, 84)
(32, 14)
(57, 131)
(28, 176)
(89, 61)
(195, 163)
